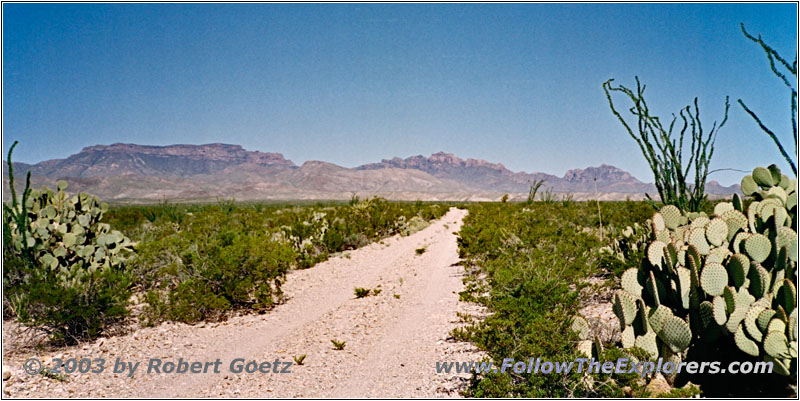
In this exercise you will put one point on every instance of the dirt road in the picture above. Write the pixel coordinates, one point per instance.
(392, 340)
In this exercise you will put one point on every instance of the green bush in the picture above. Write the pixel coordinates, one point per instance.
(525, 263)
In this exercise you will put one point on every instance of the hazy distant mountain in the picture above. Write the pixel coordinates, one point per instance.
(495, 177)
(127, 172)
(174, 161)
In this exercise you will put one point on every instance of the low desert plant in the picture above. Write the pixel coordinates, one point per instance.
(64, 270)
(338, 345)
(298, 359)
(361, 292)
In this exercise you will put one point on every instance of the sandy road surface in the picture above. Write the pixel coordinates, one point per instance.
(393, 339)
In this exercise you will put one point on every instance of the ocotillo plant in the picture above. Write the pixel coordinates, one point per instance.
(773, 55)
(535, 185)
(664, 152)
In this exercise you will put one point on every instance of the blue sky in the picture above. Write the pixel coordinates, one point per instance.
(519, 84)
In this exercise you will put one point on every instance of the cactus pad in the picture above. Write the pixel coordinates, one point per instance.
(581, 327)
(672, 216)
(752, 216)
(717, 255)
(648, 343)
(757, 247)
(776, 345)
(737, 202)
(699, 222)
(763, 319)
(655, 288)
(738, 266)
(786, 296)
(776, 324)
(697, 238)
(737, 245)
(585, 348)
(745, 344)
(735, 318)
(785, 237)
(657, 316)
(630, 282)
(676, 334)
(706, 312)
(713, 279)
(655, 251)
(775, 171)
(759, 280)
(749, 186)
(716, 231)
(624, 307)
(628, 337)
(777, 193)
(762, 177)
(723, 207)
(658, 222)
(719, 310)
(641, 324)
(684, 285)
(750, 322)
(736, 222)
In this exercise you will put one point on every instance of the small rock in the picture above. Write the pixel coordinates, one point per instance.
(658, 385)
(6, 373)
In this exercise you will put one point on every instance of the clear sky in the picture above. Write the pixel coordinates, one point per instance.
(351, 84)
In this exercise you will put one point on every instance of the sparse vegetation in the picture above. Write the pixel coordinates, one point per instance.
(524, 264)
(338, 345)
(361, 292)
(298, 359)
(420, 251)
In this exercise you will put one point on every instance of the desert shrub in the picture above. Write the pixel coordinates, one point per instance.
(525, 263)
(64, 270)
(361, 292)
(212, 263)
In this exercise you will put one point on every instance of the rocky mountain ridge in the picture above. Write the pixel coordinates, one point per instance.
(130, 172)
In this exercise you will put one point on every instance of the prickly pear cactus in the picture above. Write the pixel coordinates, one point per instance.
(733, 273)
(66, 237)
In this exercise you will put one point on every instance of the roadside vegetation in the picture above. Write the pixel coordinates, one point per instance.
(526, 264)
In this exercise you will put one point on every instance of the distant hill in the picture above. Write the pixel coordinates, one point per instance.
(128, 172)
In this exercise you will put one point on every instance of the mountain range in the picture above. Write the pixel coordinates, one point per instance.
(140, 173)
